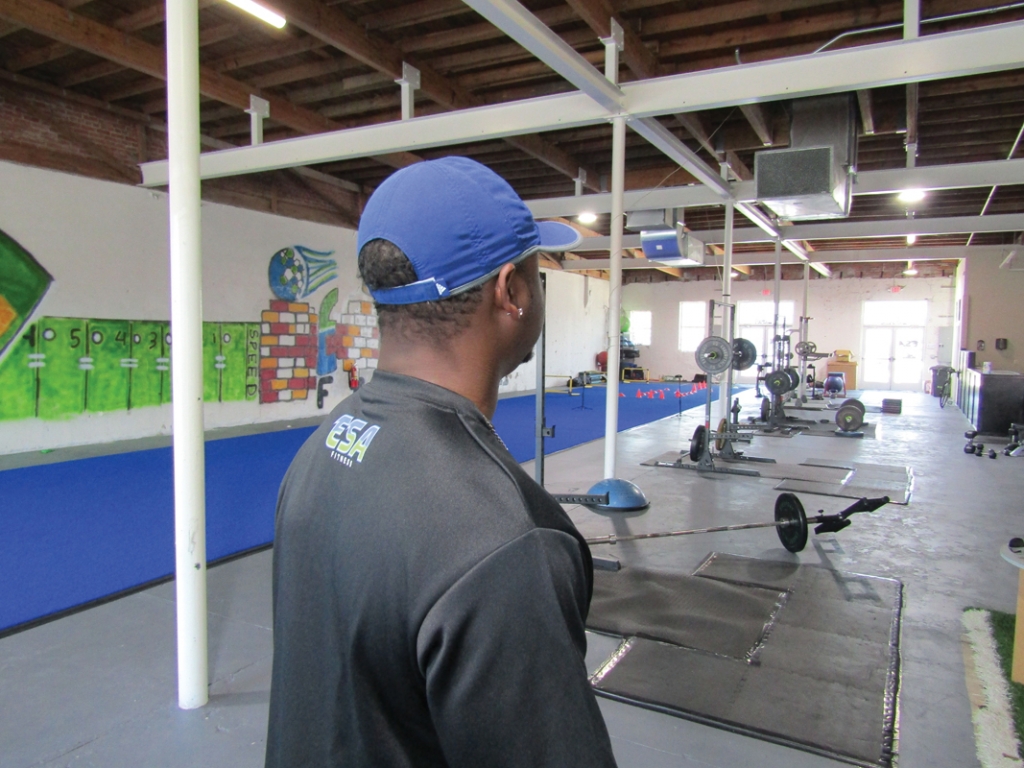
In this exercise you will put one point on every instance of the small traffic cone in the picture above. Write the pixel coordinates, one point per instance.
(639, 393)
(622, 394)
(679, 393)
(661, 395)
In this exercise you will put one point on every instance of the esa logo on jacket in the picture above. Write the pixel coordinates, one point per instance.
(349, 439)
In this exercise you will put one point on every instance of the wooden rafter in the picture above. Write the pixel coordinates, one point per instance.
(867, 113)
(334, 27)
(88, 35)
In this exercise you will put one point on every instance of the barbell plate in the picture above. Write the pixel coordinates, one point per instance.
(794, 377)
(789, 510)
(805, 348)
(744, 354)
(855, 403)
(766, 408)
(697, 442)
(777, 382)
(849, 418)
(723, 426)
(714, 355)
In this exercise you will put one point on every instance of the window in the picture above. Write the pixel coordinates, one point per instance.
(763, 313)
(640, 327)
(692, 321)
(894, 313)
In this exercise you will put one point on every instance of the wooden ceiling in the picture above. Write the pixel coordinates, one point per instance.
(110, 53)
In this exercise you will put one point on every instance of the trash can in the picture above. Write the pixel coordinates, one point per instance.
(940, 375)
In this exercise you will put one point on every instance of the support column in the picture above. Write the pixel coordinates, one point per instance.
(259, 110)
(611, 414)
(410, 83)
(804, 326)
(187, 350)
(539, 416)
(911, 31)
(775, 295)
(725, 389)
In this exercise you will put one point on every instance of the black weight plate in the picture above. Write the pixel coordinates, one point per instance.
(766, 408)
(697, 442)
(849, 418)
(714, 355)
(789, 509)
(744, 354)
(794, 377)
(855, 403)
(777, 382)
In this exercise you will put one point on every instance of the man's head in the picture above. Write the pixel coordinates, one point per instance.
(444, 242)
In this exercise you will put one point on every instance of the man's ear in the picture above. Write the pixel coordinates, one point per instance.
(505, 291)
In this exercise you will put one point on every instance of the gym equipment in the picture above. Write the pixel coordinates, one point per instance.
(698, 442)
(991, 453)
(766, 408)
(791, 523)
(723, 430)
(855, 403)
(744, 354)
(892, 406)
(794, 378)
(714, 355)
(835, 383)
(778, 382)
(849, 418)
(618, 496)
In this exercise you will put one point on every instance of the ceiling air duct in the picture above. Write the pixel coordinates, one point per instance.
(664, 239)
(812, 179)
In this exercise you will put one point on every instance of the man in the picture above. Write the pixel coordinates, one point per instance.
(429, 597)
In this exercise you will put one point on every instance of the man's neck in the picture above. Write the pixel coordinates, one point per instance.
(445, 368)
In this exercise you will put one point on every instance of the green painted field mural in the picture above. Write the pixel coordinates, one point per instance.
(64, 366)
(23, 286)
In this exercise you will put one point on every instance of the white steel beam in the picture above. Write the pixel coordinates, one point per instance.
(985, 49)
(521, 25)
(767, 257)
(662, 138)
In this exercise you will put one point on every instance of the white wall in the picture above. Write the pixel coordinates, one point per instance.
(106, 246)
(576, 314)
(995, 309)
(834, 307)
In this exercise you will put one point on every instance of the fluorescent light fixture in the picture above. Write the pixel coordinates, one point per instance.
(261, 13)
(911, 270)
(911, 196)
(911, 239)
(587, 217)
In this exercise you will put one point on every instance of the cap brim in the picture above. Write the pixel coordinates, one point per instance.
(556, 236)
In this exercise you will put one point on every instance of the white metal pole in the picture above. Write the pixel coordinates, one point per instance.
(725, 388)
(804, 326)
(775, 295)
(611, 413)
(187, 350)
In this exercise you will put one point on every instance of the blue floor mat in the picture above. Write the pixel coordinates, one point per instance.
(75, 532)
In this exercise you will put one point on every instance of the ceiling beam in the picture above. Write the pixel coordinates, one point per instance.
(760, 122)
(867, 115)
(85, 34)
(984, 49)
(332, 26)
(598, 15)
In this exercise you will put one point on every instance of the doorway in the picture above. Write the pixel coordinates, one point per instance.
(893, 356)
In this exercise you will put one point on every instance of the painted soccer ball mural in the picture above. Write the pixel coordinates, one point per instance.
(295, 272)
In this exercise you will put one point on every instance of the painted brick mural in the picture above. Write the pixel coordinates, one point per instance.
(288, 352)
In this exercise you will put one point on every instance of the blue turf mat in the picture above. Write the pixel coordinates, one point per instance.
(77, 531)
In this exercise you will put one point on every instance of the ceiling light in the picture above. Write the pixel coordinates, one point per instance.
(911, 270)
(587, 217)
(911, 239)
(911, 196)
(264, 14)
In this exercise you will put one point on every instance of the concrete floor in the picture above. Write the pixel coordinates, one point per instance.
(97, 688)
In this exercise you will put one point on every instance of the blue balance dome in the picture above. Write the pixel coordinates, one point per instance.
(623, 496)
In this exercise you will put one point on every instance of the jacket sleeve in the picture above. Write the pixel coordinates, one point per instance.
(502, 655)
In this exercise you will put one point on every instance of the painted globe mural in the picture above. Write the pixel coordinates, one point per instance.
(296, 271)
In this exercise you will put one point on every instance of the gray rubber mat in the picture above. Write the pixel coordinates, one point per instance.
(820, 430)
(701, 614)
(825, 680)
(805, 471)
(898, 491)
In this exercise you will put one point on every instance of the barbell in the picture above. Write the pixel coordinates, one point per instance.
(791, 522)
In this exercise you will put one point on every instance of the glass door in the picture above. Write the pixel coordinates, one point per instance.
(893, 358)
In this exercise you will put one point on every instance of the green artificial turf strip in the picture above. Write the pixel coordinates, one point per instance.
(1003, 625)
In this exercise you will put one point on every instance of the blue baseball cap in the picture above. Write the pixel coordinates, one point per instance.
(458, 222)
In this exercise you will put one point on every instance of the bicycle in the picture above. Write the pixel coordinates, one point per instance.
(946, 395)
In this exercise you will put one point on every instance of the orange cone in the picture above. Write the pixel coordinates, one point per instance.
(639, 393)
(661, 395)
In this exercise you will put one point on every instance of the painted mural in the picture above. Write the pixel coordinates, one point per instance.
(60, 367)
(23, 286)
